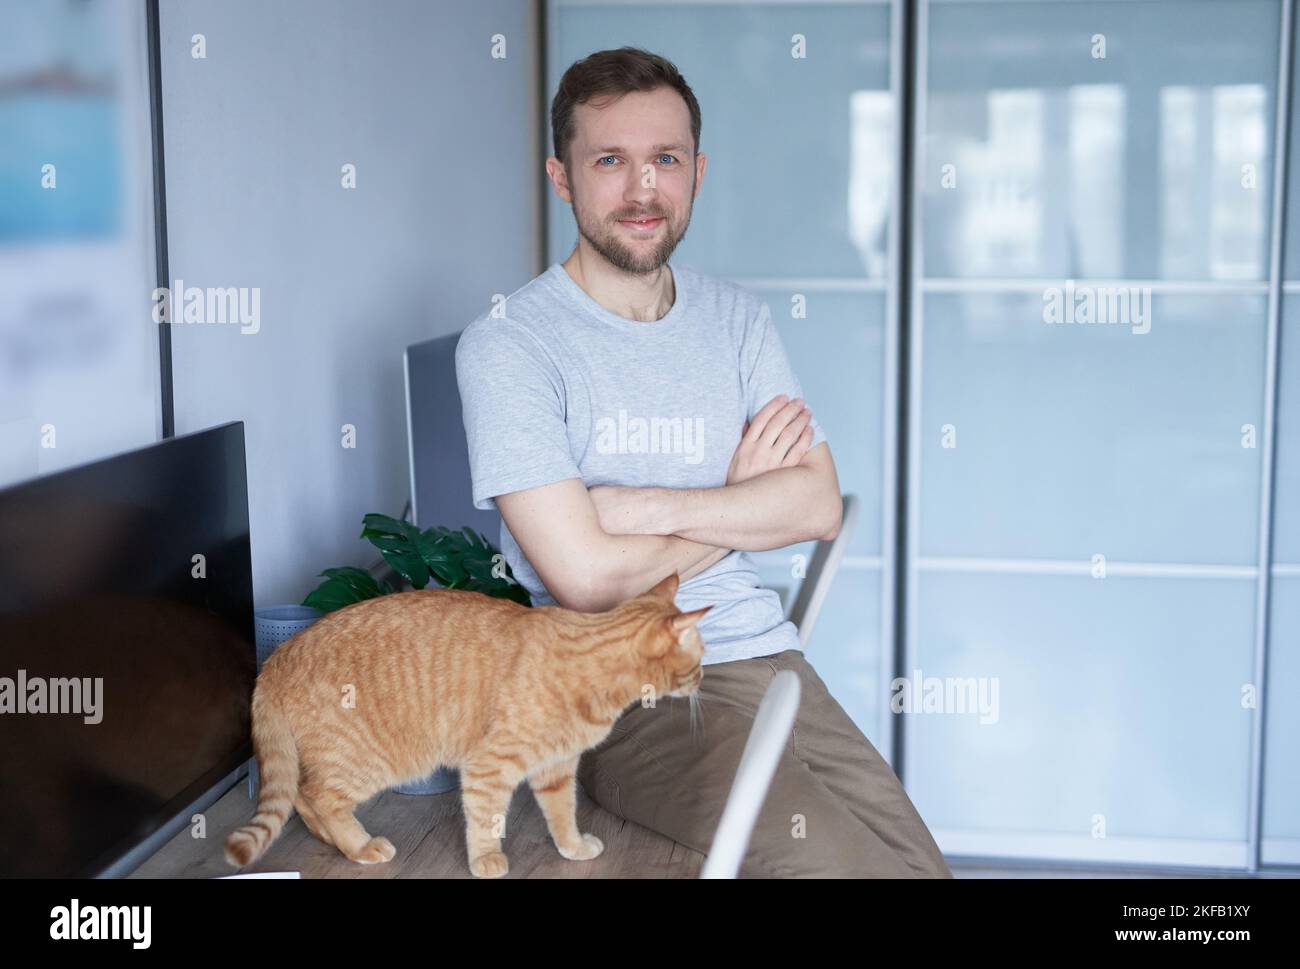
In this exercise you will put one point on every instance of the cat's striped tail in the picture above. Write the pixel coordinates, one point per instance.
(277, 765)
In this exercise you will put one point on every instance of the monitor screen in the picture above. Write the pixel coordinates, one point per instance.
(127, 658)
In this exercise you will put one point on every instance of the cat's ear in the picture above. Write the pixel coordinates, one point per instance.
(666, 588)
(686, 620)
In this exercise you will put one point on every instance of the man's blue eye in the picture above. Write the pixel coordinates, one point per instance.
(671, 159)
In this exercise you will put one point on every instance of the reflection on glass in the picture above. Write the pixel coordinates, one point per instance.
(871, 176)
(1045, 160)
(1097, 113)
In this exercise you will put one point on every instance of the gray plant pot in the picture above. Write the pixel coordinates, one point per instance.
(276, 624)
(441, 781)
(273, 626)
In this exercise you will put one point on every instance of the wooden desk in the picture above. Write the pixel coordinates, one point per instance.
(429, 834)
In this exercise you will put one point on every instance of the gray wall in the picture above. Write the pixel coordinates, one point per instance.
(445, 214)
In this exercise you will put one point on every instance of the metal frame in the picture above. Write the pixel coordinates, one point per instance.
(988, 284)
(893, 464)
(160, 214)
(912, 327)
(1258, 735)
(1162, 570)
(410, 433)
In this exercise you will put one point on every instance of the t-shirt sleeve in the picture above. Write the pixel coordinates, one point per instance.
(512, 400)
(766, 371)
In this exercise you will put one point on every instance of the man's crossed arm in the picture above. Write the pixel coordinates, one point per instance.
(797, 501)
(596, 548)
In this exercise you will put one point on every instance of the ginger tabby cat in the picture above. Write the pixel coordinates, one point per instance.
(382, 692)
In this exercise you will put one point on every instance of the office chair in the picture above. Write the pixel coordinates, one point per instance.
(436, 445)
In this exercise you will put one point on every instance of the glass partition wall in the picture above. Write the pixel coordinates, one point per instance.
(1080, 387)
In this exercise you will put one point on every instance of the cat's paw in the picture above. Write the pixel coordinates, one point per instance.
(376, 851)
(591, 847)
(492, 865)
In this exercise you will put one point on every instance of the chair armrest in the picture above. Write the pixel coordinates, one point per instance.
(767, 739)
(816, 585)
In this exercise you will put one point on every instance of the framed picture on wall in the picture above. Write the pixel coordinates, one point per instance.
(79, 351)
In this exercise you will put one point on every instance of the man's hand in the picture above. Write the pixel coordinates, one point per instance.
(779, 437)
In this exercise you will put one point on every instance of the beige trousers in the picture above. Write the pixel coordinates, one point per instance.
(835, 808)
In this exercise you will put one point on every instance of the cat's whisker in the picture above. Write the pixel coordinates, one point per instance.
(697, 713)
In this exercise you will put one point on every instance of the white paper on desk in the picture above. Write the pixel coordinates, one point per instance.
(265, 874)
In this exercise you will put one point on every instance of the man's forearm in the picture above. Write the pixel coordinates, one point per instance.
(634, 563)
(780, 507)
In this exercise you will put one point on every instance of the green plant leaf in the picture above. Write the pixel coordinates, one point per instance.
(457, 559)
(429, 544)
(377, 524)
(480, 570)
(360, 580)
(409, 565)
(402, 555)
(396, 541)
(344, 586)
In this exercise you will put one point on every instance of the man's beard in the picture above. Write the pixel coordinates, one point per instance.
(606, 241)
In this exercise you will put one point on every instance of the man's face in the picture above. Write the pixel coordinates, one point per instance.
(632, 159)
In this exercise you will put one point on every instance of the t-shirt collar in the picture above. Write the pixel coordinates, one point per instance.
(667, 323)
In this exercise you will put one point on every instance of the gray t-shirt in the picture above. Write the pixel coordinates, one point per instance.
(560, 387)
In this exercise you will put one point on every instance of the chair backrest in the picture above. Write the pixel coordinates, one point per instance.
(772, 725)
(436, 446)
(807, 605)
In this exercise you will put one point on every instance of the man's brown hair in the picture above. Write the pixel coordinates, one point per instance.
(614, 72)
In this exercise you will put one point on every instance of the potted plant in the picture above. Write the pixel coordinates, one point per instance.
(461, 559)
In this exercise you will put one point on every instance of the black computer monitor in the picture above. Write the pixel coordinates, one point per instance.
(127, 658)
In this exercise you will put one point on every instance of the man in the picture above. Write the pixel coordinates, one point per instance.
(633, 418)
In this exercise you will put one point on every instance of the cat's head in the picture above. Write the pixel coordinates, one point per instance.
(671, 648)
